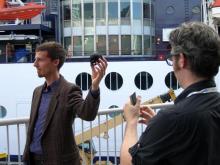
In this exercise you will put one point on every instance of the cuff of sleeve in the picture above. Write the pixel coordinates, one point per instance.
(133, 150)
(95, 94)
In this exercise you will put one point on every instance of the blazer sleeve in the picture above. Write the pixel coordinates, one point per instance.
(85, 109)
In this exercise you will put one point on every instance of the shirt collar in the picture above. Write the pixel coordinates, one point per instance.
(195, 87)
(52, 87)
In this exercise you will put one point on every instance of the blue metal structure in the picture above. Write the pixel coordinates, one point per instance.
(170, 14)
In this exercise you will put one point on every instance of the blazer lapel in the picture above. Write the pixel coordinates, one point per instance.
(35, 106)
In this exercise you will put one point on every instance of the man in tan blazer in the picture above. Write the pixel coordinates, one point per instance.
(55, 104)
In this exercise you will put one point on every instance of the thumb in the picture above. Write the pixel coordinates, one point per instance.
(138, 101)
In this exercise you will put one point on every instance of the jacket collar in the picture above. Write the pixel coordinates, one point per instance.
(195, 87)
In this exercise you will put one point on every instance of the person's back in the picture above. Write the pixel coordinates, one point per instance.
(188, 132)
(194, 125)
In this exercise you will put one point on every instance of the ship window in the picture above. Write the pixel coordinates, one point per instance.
(76, 13)
(125, 44)
(84, 81)
(100, 13)
(170, 10)
(113, 45)
(143, 80)
(77, 46)
(125, 13)
(136, 7)
(66, 15)
(3, 111)
(196, 10)
(113, 13)
(113, 81)
(89, 45)
(147, 45)
(137, 44)
(171, 81)
(88, 14)
(68, 46)
(101, 44)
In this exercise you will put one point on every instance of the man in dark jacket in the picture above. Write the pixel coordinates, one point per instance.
(55, 104)
(188, 133)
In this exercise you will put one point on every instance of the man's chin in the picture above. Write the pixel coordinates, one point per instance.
(40, 75)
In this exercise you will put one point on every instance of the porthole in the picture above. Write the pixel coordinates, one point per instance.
(143, 80)
(171, 81)
(113, 81)
(3, 111)
(84, 80)
(170, 10)
(113, 114)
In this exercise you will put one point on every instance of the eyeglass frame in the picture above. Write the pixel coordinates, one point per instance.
(169, 57)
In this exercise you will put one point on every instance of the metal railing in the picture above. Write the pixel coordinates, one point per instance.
(99, 140)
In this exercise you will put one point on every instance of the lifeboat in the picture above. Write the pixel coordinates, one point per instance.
(216, 9)
(27, 11)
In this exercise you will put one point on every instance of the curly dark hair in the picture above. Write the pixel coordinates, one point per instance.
(201, 46)
(55, 51)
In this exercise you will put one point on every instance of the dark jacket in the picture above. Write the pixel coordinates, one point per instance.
(58, 144)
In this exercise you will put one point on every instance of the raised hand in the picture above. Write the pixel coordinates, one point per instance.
(98, 72)
(146, 113)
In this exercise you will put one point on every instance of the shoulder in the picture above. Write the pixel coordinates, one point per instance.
(68, 86)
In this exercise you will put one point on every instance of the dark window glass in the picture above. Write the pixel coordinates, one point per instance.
(88, 10)
(126, 45)
(113, 81)
(146, 10)
(84, 81)
(125, 13)
(66, 12)
(143, 80)
(171, 81)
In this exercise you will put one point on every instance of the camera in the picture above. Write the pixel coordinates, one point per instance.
(94, 59)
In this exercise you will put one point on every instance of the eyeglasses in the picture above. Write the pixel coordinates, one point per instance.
(169, 59)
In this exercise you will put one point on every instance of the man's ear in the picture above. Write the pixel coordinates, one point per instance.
(182, 60)
(56, 62)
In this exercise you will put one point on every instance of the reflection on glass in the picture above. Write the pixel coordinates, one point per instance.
(146, 14)
(77, 46)
(136, 10)
(147, 45)
(76, 14)
(68, 46)
(113, 45)
(137, 45)
(125, 13)
(89, 45)
(113, 13)
(100, 13)
(88, 14)
(101, 44)
(126, 45)
(66, 15)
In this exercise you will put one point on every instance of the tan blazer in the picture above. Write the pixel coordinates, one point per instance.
(58, 144)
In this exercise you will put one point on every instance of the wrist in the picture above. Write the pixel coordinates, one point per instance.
(132, 123)
(94, 87)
